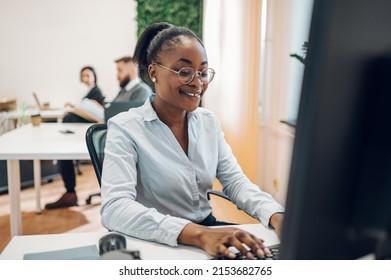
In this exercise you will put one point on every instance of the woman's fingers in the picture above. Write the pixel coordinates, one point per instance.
(258, 247)
(247, 244)
(252, 242)
(223, 250)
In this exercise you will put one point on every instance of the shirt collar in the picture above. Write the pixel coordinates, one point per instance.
(149, 113)
(132, 84)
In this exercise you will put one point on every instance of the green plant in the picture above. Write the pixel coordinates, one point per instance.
(182, 13)
(301, 58)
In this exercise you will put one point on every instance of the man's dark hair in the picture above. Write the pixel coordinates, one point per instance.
(125, 59)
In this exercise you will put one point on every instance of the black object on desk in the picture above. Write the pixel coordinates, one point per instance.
(67, 131)
(111, 242)
(112, 246)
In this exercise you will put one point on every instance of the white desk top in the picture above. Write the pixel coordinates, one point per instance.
(46, 114)
(45, 142)
(20, 245)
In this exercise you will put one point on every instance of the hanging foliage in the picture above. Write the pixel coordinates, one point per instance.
(301, 58)
(181, 13)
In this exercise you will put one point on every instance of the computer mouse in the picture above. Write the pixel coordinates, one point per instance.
(111, 242)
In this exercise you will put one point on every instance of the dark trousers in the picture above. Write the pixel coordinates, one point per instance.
(67, 169)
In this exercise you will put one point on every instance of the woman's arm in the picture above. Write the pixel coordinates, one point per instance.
(96, 94)
(120, 211)
(246, 195)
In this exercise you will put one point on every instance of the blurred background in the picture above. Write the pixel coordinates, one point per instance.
(255, 94)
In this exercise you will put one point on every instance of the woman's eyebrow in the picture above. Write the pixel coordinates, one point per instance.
(190, 62)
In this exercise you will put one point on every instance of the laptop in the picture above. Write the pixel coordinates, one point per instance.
(112, 109)
(39, 105)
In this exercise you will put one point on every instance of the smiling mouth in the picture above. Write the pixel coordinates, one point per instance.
(191, 94)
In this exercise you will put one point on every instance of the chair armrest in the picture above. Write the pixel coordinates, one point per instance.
(218, 193)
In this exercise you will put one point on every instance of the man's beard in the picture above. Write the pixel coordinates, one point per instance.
(124, 82)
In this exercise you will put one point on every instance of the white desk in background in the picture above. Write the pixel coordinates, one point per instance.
(44, 142)
(52, 114)
(12, 119)
(20, 245)
(57, 114)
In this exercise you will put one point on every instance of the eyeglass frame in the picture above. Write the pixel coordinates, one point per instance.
(195, 72)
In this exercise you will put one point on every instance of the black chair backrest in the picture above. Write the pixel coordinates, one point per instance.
(96, 140)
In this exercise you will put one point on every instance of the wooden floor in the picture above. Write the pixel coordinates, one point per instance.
(82, 218)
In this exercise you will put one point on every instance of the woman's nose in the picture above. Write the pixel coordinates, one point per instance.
(197, 79)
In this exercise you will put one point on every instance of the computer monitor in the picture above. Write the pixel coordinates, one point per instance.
(339, 194)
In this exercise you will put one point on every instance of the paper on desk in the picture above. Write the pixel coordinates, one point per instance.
(89, 252)
(89, 110)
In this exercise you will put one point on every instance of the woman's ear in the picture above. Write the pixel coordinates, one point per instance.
(152, 73)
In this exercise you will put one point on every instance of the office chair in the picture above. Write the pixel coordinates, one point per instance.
(96, 140)
(217, 193)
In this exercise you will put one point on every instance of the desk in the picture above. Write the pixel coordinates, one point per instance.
(20, 245)
(44, 142)
(14, 116)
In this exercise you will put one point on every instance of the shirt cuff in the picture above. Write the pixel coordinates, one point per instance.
(172, 226)
(268, 211)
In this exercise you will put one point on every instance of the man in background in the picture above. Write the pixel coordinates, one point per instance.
(132, 88)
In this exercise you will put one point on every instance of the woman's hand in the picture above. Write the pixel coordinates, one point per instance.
(216, 241)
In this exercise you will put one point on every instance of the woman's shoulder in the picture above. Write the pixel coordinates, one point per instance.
(201, 112)
(96, 89)
(130, 117)
(206, 118)
(96, 94)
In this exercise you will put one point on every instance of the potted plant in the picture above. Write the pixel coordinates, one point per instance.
(301, 58)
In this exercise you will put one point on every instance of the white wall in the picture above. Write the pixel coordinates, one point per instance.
(45, 43)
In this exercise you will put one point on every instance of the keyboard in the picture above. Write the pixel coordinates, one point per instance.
(274, 255)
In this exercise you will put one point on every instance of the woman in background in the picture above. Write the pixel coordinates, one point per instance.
(67, 169)
(88, 77)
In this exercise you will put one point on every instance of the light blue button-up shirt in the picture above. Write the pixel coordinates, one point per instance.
(151, 189)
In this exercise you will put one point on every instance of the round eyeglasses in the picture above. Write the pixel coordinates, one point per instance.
(186, 74)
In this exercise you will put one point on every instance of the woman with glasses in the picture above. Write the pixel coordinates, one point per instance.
(162, 158)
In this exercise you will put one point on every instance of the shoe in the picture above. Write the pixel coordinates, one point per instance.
(66, 200)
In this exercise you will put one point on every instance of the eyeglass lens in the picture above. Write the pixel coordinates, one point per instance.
(186, 75)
